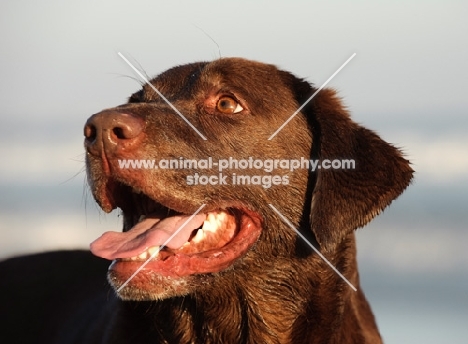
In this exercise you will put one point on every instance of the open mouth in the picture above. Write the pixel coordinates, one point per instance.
(176, 244)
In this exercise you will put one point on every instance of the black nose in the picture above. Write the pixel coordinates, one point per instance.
(112, 132)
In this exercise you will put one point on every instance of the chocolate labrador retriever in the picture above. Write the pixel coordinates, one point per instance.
(219, 218)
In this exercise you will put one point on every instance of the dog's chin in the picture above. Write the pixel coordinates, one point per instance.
(148, 285)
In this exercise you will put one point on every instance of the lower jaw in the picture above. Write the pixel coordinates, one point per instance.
(176, 265)
(149, 286)
(178, 275)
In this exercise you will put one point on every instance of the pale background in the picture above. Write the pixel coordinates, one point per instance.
(408, 82)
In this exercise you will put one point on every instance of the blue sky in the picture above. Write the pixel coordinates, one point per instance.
(59, 65)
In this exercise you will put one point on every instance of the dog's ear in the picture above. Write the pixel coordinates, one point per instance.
(345, 199)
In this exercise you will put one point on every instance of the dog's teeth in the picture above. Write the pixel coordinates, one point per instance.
(143, 255)
(221, 216)
(153, 251)
(134, 258)
(220, 219)
(199, 236)
(210, 224)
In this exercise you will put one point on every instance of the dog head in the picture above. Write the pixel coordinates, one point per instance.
(149, 158)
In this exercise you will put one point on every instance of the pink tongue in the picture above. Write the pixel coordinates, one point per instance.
(151, 231)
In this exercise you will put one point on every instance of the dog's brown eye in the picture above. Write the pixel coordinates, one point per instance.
(228, 105)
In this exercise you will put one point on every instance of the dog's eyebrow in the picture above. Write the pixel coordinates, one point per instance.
(310, 98)
(162, 96)
(285, 220)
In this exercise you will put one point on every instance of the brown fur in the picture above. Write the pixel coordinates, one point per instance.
(279, 291)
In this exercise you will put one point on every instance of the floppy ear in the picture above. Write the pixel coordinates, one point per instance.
(344, 200)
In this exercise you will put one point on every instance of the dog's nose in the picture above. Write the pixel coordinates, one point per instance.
(113, 132)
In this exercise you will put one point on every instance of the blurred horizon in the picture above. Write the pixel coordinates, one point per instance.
(59, 65)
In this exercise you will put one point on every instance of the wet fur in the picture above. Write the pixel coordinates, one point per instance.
(280, 291)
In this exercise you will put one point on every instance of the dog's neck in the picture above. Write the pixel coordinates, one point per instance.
(256, 311)
(232, 318)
